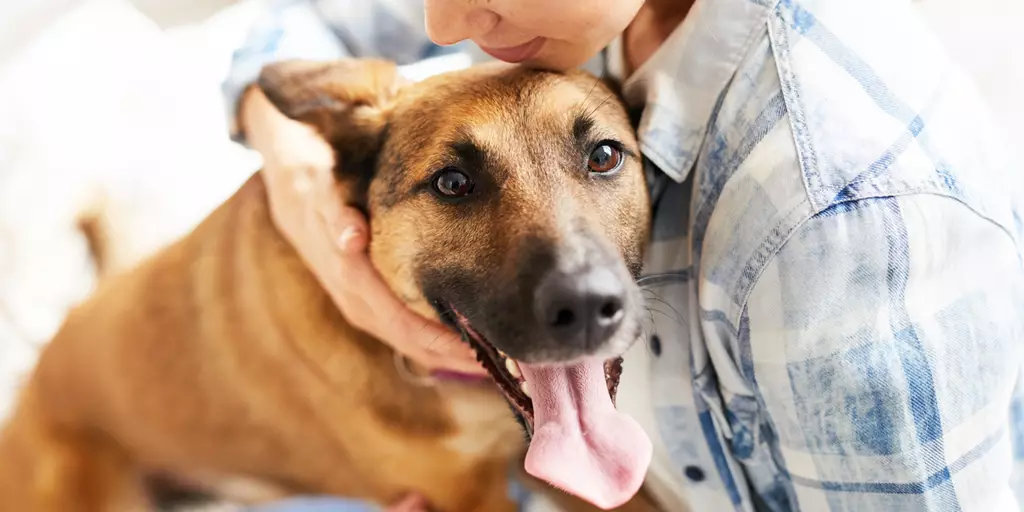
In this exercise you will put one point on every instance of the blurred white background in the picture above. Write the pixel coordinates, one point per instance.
(112, 109)
(103, 112)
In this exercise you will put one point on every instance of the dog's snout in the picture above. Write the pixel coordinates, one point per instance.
(581, 309)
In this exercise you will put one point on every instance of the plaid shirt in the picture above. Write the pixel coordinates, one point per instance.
(835, 279)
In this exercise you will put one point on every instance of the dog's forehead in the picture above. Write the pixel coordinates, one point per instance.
(486, 97)
(504, 108)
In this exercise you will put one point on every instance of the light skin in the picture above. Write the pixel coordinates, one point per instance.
(332, 238)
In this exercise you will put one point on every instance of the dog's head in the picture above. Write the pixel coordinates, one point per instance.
(510, 203)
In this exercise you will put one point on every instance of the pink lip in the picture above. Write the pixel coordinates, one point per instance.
(517, 53)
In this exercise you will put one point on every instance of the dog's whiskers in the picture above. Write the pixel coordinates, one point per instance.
(648, 333)
(677, 319)
(599, 105)
(650, 315)
(678, 316)
(591, 91)
(655, 296)
(649, 280)
(454, 338)
(660, 312)
(647, 341)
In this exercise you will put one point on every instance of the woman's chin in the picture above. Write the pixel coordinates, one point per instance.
(563, 56)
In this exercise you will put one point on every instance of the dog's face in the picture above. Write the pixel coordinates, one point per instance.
(515, 200)
(512, 198)
(510, 203)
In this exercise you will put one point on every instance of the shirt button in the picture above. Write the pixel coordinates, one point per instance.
(655, 343)
(694, 473)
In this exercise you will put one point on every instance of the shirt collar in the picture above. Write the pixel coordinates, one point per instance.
(680, 85)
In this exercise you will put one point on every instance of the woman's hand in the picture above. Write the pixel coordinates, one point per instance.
(332, 238)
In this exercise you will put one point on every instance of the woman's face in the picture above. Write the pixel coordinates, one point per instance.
(555, 34)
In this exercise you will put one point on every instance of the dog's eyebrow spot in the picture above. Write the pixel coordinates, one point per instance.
(469, 154)
(582, 126)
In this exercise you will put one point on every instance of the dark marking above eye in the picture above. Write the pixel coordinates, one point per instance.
(469, 155)
(582, 125)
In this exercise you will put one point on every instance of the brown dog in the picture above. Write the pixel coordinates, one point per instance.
(509, 203)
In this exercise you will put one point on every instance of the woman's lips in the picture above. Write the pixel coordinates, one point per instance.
(517, 53)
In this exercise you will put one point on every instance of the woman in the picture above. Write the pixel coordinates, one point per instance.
(836, 262)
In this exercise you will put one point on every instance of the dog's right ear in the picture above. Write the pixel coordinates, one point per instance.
(346, 101)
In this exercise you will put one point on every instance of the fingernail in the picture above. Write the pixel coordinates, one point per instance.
(349, 234)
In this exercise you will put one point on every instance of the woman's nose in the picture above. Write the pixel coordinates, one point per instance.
(452, 21)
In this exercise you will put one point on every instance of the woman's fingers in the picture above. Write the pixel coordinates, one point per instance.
(352, 231)
(370, 305)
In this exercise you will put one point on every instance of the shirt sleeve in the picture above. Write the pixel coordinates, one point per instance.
(885, 344)
(327, 30)
(284, 29)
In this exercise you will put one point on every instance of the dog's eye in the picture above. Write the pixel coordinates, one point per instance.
(605, 158)
(452, 183)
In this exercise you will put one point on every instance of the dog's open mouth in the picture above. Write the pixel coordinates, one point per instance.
(507, 373)
(579, 441)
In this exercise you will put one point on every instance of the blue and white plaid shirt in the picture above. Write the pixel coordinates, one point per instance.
(835, 281)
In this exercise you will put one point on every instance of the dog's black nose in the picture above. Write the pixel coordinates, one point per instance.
(580, 309)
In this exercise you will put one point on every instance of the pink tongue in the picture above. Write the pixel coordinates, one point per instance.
(581, 444)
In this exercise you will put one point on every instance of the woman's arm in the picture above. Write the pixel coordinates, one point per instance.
(885, 342)
(286, 29)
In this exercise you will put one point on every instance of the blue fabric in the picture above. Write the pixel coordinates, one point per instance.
(315, 504)
(850, 257)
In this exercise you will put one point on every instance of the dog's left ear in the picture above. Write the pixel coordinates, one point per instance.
(346, 101)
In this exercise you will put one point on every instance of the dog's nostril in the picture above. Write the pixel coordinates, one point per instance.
(610, 310)
(563, 318)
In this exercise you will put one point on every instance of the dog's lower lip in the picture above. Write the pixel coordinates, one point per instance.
(496, 363)
(518, 53)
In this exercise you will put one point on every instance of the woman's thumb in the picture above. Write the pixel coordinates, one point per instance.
(352, 233)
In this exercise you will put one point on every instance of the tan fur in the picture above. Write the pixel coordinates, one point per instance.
(221, 363)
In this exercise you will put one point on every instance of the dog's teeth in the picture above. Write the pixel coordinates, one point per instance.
(525, 388)
(513, 367)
